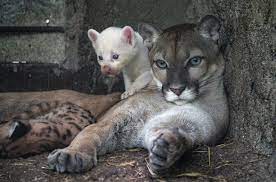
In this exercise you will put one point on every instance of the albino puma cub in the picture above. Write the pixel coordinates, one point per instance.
(122, 50)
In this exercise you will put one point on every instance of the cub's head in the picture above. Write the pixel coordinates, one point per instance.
(185, 58)
(114, 47)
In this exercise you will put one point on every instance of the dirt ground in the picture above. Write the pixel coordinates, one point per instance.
(229, 161)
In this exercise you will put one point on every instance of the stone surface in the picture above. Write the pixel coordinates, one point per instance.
(250, 71)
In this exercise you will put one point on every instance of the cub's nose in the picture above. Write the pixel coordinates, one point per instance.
(106, 69)
(177, 90)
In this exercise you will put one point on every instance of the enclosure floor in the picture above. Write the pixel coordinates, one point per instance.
(228, 162)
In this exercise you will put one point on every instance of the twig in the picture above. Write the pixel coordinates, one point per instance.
(209, 156)
(196, 175)
(134, 150)
(131, 163)
(224, 145)
(200, 151)
(226, 164)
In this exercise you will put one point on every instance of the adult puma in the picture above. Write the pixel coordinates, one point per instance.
(190, 109)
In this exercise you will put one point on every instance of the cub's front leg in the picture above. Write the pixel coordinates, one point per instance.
(141, 82)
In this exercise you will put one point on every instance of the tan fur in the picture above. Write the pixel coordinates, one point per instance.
(15, 102)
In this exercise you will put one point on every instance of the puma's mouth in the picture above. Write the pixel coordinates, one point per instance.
(179, 98)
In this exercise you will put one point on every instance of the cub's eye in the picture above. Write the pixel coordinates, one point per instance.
(161, 64)
(115, 56)
(100, 57)
(195, 61)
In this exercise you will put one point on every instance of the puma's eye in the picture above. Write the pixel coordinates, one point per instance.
(161, 64)
(100, 57)
(195, 61)
(115, 56)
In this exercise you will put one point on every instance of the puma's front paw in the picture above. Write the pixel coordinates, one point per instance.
(127, 94)
(166, 146)
(66, 160)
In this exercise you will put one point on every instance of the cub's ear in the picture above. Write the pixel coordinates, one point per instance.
(18, 129)
(93, 36)
(128, 35)
(209, 27)
(149, 34)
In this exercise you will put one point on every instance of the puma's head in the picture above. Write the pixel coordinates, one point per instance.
(185, 58)
(11, 131)
(115, 48)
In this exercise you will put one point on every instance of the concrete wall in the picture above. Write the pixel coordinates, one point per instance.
(42, 48)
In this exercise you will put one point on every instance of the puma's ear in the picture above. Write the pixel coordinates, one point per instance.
(128, 35)
(209, 27)
(93, 36)
(149, 34)
(18, 129)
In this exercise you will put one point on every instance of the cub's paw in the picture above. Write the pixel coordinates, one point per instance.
(66, 160)
(127, 94)
(167, 146)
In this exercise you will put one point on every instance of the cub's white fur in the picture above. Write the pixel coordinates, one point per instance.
(122, 50)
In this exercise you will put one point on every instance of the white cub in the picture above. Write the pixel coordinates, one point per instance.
(122, 50)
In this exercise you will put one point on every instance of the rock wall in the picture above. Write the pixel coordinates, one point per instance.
(250, 70)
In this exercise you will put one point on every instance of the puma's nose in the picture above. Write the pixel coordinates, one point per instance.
(177, 90)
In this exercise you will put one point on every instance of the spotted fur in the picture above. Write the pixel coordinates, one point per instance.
(45, 126)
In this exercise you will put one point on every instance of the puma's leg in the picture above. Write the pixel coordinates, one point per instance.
(166, 146)
(114, 131)
(81, 154)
